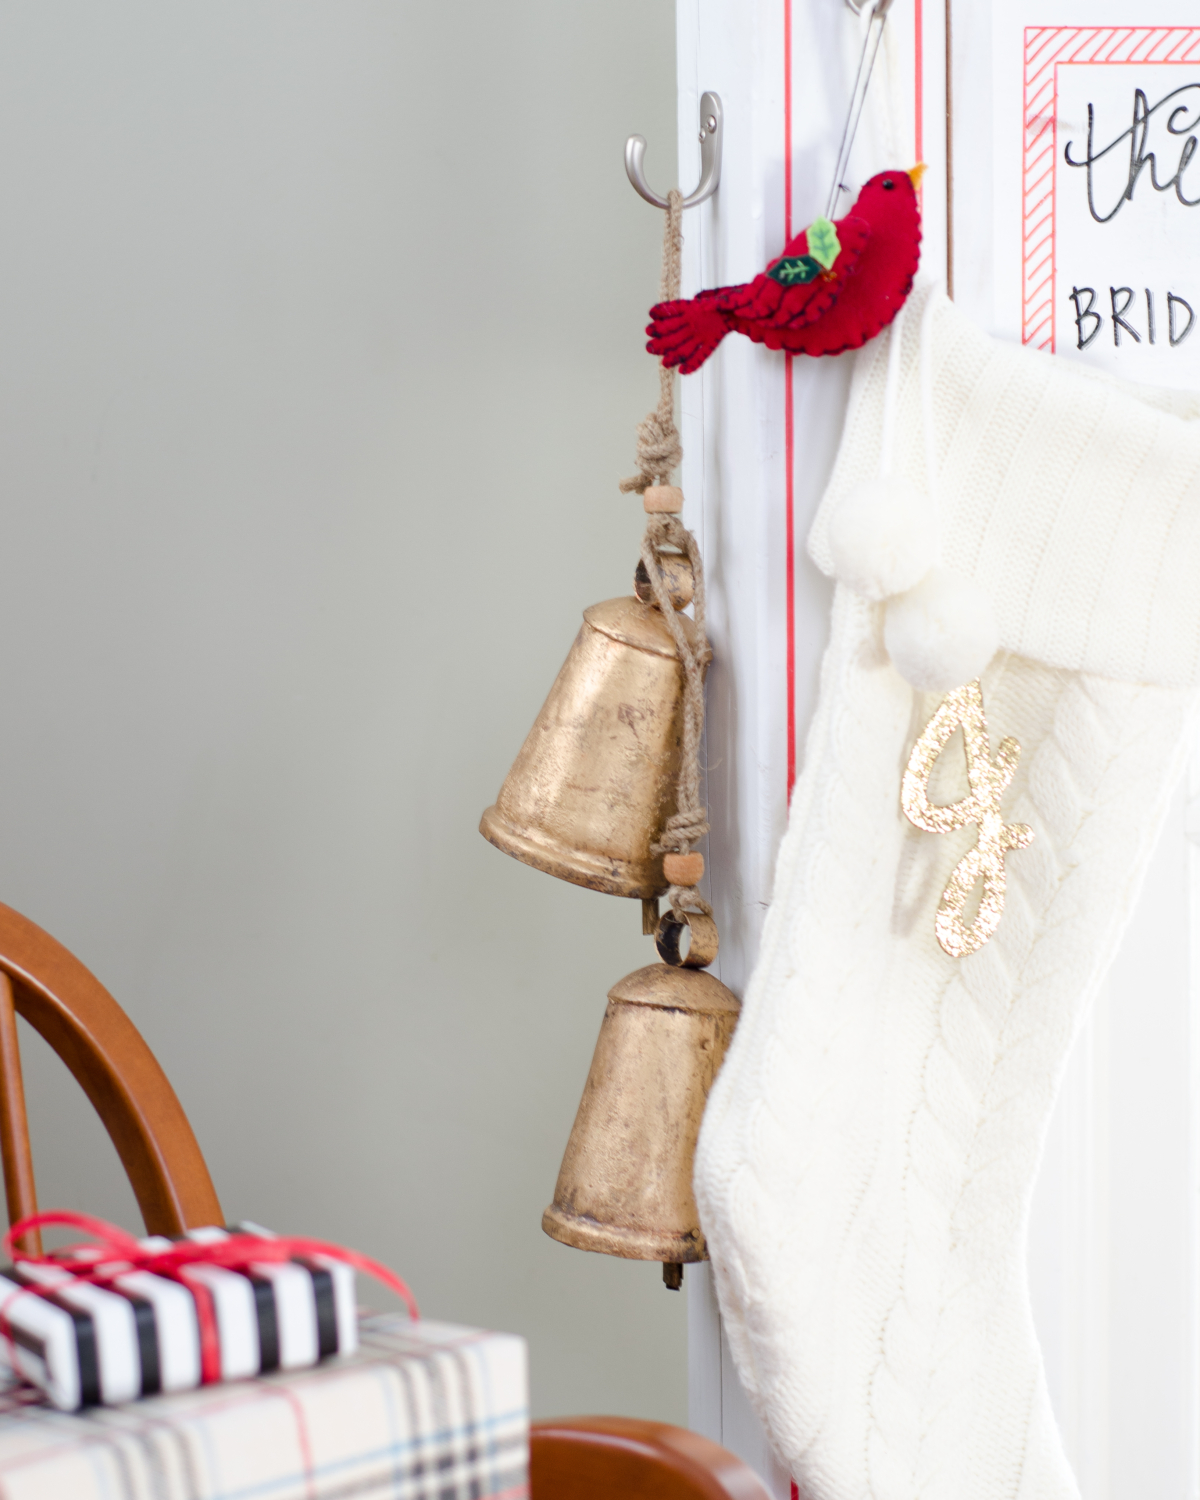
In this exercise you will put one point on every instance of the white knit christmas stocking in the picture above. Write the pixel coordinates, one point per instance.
(869, 1151)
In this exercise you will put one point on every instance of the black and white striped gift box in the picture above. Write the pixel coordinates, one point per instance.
(138, 1334)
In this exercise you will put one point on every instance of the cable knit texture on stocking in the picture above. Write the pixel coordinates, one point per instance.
(870, 1147)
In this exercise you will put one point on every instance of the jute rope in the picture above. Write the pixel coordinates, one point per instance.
(688, 824)
(659, 453)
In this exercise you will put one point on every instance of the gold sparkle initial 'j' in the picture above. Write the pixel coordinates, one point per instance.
(988, 781)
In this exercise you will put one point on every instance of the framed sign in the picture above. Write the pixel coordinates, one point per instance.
(1076, 184)
(1109, 187)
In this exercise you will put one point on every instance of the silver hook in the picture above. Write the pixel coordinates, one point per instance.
(710, 156)
(858, 96)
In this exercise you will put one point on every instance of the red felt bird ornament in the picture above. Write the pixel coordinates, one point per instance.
(835, 286)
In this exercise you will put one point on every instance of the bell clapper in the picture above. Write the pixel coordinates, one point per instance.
(702, 937)
(649, 916)
(672, 1275)
(677, 575)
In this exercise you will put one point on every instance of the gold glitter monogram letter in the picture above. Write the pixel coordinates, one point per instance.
(988, 780)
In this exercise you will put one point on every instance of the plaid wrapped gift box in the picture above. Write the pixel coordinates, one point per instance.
(422, 1411)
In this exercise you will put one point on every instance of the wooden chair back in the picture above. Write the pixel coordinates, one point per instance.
(577, 1458)
(600, 1458)
(69, 1007)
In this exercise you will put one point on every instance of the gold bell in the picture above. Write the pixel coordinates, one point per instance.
(594, 784)
(625, 1185)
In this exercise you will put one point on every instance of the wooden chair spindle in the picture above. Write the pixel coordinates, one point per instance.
(15, 1152)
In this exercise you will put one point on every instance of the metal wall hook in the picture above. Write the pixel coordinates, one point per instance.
(711, 132)
(876, 10)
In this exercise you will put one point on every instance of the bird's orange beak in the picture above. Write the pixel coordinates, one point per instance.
(917, 173)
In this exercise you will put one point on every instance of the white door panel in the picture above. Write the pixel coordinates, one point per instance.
(1113, 1244)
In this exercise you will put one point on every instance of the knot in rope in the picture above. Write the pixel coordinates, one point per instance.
(659, 449)
(686, 898)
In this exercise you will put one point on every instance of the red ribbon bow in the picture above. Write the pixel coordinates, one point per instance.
(113, 1252)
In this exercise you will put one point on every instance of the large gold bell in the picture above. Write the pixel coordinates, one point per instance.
(594, 783)
(625, 1186)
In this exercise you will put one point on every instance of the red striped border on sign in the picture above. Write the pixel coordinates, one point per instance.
(1047, 48)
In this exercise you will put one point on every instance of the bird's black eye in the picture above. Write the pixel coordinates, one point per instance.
(888, 183)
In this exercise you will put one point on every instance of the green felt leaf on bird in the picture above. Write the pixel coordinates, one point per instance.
(823, 242)
(795, 270)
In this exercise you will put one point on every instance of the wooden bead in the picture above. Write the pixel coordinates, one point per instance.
(683, 869)
(662, 499)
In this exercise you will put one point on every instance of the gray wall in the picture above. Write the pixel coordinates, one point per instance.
(320, 352)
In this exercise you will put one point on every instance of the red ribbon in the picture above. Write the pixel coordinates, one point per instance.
(92, 1261)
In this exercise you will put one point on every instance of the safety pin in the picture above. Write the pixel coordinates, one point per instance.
(866, 65)
(710, 157)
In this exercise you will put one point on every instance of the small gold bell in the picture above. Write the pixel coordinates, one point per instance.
(625, 1186)
(594, 784)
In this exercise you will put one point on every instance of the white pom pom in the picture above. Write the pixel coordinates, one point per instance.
(942, 633)
(883, 538)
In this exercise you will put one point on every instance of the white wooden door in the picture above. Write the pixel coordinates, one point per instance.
(1114, 1233)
